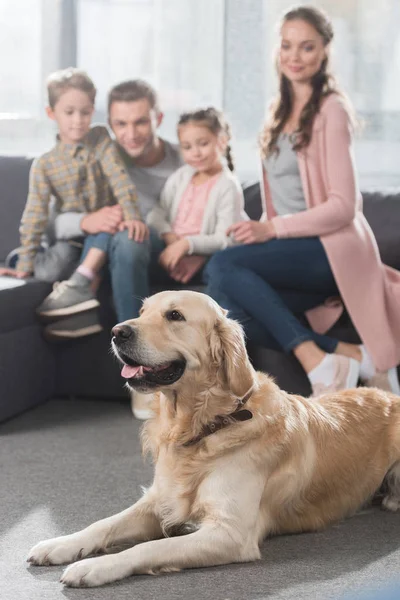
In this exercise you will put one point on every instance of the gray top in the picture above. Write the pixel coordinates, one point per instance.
(284, 178)
(149, 181)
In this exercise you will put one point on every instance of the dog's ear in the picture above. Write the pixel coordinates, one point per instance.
(228, 348)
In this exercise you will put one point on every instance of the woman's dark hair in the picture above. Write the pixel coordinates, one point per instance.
(323, 84)
(215, 121)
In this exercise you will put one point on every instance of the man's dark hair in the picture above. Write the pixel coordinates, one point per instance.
(131, 91)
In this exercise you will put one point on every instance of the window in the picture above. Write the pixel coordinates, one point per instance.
(198, 53)
(28, 45)
(174, 44)
(366, 58)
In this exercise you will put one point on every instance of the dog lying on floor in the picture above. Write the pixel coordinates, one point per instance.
(234, 455)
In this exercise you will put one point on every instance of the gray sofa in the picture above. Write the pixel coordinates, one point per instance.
(32, 370)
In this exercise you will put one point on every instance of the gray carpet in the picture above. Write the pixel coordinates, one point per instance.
(68, 463)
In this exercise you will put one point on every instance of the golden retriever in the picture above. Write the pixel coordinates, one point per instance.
(235, 456)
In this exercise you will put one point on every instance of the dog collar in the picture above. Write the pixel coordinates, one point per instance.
(222, 421)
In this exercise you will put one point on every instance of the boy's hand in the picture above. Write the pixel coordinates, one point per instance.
(137, 230)
(106, 219)
(173, 253)
(14, 273)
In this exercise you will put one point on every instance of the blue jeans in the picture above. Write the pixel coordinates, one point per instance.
(265, 285)
(129, 263)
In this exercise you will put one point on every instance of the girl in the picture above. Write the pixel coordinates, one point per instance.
(313, 242)
(201, 200)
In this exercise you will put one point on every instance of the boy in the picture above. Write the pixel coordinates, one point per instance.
(84, 174)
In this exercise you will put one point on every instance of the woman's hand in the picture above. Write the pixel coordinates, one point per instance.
(252, 232)
(173, 253)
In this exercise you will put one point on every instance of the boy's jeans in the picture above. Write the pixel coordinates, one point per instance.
(129, 263)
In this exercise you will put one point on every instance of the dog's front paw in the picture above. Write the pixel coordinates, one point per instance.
(93, 572)
(57, 551)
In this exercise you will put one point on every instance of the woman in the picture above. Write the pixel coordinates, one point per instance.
(313, 242)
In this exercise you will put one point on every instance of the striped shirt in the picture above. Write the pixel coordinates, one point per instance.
(81, 177)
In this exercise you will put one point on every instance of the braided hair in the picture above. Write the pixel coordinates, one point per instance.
(215, 122)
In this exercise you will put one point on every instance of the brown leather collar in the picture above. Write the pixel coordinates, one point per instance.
(222, 421)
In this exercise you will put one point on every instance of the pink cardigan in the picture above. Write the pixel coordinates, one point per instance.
(369, 289)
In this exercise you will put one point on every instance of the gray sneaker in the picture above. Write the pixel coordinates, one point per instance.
(77, 326)
(68, 298)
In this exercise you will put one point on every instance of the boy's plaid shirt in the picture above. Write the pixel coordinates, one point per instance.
(82, 178)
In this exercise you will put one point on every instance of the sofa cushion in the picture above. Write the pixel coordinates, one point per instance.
(27, 371)
(382, 211)
(252, 201)
(18, 301)
(14, 178)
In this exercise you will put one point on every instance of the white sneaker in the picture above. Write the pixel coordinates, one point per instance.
(140, 404)
(347, 372)
(385, 380)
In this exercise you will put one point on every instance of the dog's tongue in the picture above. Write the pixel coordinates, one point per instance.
(128, 371)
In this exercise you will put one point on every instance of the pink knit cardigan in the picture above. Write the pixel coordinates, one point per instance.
(369, 289)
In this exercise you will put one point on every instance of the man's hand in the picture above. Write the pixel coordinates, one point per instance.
(15, 273)
(106, 219)
(252, 232)
(137, 230)
(173, 253)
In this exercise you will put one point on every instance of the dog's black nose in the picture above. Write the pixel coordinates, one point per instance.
(122, 332)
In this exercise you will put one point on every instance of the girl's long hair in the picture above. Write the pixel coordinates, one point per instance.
(323, 84)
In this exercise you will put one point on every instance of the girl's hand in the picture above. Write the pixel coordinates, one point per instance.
(169, 238)
(137, 230)
(173, 253)
(252, 232)
(14, 273)
(187, 267)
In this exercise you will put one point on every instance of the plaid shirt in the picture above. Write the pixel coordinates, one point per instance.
(83, 178)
